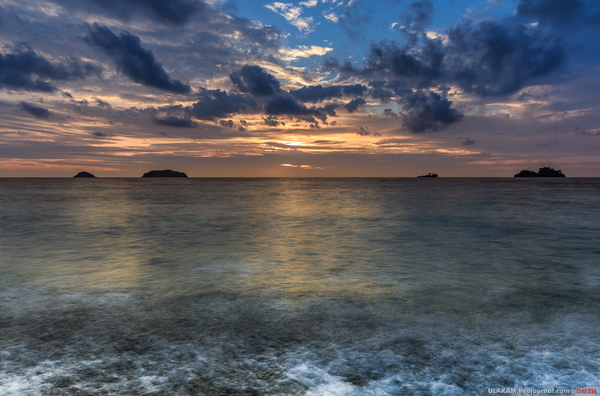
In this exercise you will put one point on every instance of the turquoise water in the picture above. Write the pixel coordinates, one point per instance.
(298, 286)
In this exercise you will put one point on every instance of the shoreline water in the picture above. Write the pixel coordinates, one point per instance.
(298, 286)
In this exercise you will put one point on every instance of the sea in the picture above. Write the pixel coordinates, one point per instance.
(299, 286)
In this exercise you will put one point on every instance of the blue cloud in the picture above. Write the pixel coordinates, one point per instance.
(37, 112)
(26, 70)
(132, 59)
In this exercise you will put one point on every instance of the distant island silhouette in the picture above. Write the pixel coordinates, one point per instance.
(429, 175)
(84, 174)
(164, 173)
(543, 172)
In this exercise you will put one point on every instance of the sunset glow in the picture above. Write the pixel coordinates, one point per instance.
(340, 88)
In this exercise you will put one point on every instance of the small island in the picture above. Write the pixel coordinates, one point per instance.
(164, 173)
(84, 174)
(429, 175)
(543, 172)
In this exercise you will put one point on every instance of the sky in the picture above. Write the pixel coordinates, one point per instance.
(314, 88)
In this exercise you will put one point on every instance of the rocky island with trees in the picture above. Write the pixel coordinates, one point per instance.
(164, 173)
(543, 172)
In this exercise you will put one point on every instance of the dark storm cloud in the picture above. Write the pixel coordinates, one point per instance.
(344, 67)
(132, 59)
(416, 20)
(172, 12)
(492, 59)
(255, 80)
(38, 112)
(176, 122)
(487, 58)
(420, 14)
(26, 70)
(560, 12)
(381, 94)
(423, 113)
(211, 105)
(330, 109)
(399, 87)
(286, 104)
(318, 93)
(214, 104)
(102, 103)
(355, 89)
(354, 104)
(404, 62)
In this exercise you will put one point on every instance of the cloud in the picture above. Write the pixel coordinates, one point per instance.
(353, 19)
(99, 134)
(389, 113)
(383, 95)
(560, 12)
(579, 131)
(292, 14)
(354, 104)
(226, 123)
(220, 104)
(133, 60)
(309, 3)
(415, 21)
(419, 15)
(176, 122)
(423, 113)
(318, 93)
(404, 62)
(303, 51)
(26, 70)
(355, 89)
(487, 58)
(102, 103)
(256, 81)
(328, 142)
(248, 31)
(301, 166)
(492, 59)
(331, 16)
(362, 130)
(271, 121)
(286, 104)
(172, 12)
(330, 110)
(37, 112)
(469, 142)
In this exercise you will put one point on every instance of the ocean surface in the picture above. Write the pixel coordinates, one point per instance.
(298, 286)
